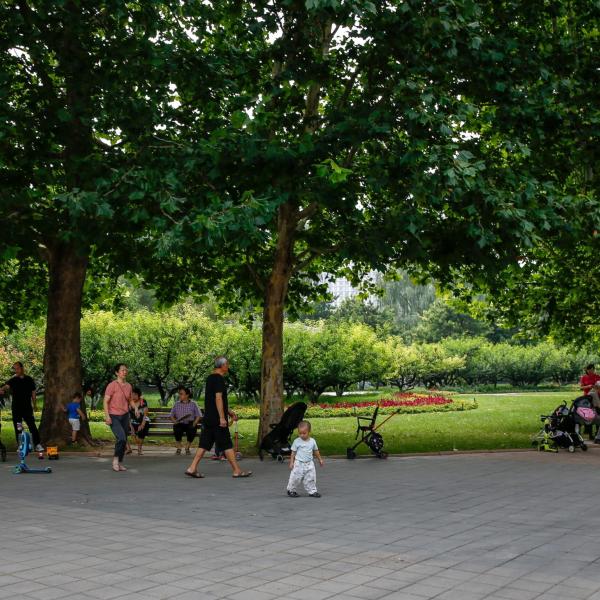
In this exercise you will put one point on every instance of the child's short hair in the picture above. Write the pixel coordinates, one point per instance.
(137, 391)
(304, 425)
(78, 395)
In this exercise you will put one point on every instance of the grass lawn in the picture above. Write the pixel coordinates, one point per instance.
(501, 421)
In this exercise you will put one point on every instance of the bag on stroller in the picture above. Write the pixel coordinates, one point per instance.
(583, 411)
(277, 441)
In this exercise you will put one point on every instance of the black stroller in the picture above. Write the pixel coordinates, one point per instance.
(277, 441)
(560, 430)
(2, 446)
(369, 435)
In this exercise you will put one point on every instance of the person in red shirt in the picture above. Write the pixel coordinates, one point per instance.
(589, 382)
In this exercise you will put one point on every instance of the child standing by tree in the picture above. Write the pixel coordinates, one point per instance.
(75, 414)
(302, 464)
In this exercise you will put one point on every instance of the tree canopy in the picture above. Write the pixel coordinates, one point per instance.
(375, 134)
(86, 91)
(554, 286)
(244, 148)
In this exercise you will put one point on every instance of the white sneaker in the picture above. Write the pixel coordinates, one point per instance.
(39, 448)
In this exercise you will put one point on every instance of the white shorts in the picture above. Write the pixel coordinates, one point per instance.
(75, 424)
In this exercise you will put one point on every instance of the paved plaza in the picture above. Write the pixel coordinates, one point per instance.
(466, 527)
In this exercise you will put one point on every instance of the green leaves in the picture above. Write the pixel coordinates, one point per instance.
(330, 170)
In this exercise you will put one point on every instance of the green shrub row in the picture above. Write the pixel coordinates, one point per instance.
(177, 347)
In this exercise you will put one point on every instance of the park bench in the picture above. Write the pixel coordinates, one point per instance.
(160, 423)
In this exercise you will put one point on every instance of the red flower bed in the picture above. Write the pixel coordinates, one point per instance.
(398, 399)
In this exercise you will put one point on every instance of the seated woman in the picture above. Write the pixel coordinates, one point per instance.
(138, 417)
(185, 415)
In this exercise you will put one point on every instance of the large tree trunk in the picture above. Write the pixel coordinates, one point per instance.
(62, 360)
(271, 381)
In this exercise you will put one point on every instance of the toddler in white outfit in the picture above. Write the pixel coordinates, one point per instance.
(301, 462)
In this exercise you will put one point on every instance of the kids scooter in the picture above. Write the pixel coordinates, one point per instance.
(25, 447)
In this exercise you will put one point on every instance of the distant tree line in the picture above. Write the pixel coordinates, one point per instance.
(177, 347)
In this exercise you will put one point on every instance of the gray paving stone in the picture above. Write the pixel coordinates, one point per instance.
(334, 587)
(312, 593)
(511, 593)
(450, 527)
(401, 595)
(423, 589)
(366, 593)
(48, 593)
(252, 595)
(14, 590)
(106, 593)
(8, 580)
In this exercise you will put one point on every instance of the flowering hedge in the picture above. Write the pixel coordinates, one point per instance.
(402, 403)
(397, 399)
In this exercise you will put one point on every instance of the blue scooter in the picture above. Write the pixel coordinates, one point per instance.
(25, 447)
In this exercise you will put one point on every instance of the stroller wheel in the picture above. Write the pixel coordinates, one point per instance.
(584, 447)
(571, 448)
(350, 454)
(382, 455)
(279, 458)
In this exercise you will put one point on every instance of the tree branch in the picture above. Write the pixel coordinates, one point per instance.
(314, 91)
(307, 256)
(259, 282)
(347, 90)
(307, 212)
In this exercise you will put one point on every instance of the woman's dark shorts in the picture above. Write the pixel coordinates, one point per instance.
(142, 432)
(211, 435)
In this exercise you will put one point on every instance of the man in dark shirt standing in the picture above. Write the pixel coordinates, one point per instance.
(22, 390)
(215, 427)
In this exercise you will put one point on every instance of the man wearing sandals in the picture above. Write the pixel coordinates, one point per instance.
(215, 425)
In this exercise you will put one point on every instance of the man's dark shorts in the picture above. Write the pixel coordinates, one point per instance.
(213, 434)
